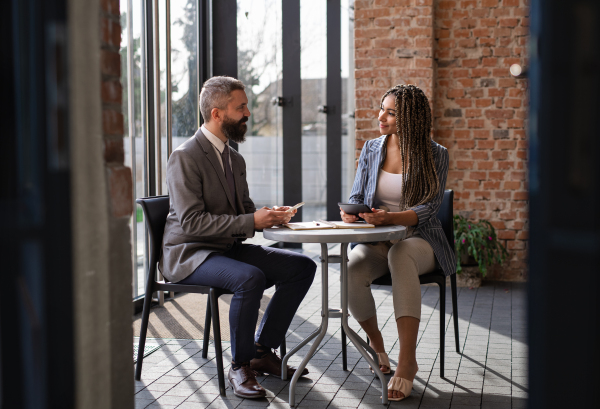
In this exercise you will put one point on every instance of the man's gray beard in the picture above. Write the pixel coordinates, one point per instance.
(234, 131)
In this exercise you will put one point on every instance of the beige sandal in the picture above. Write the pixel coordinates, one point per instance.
(384, 360)
(400, 385)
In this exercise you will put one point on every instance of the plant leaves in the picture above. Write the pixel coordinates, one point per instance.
(477, 244)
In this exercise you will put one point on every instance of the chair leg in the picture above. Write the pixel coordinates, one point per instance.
(207, 318)
(455, 310)
(214, 301)
(344, 351)
(143, 331)
(442, 285)
(282, 348)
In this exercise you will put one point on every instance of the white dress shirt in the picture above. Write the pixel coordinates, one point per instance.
(217, 143)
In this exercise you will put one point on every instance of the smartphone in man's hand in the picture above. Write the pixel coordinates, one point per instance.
(291, 209)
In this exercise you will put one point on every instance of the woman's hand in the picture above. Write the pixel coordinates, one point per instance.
(348, 218)
(379, 217)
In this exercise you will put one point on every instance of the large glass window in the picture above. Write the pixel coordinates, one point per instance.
(184, 73)
(348, 135)
(259, 67)
(313, 35)
(178, 115)
(158, 122)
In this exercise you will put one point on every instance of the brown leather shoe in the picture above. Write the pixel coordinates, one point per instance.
(271, 364)
(244, 383)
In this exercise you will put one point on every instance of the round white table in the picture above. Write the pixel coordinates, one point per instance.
(344, 237)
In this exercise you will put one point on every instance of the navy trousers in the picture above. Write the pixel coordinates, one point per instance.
(247, 270)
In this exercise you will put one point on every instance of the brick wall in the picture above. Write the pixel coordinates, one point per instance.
(393, 41)
(119, 177)
(119, 185)
(459, 52)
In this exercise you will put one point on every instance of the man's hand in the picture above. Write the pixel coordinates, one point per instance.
(348, 218)
(379, 217)
(265, 217)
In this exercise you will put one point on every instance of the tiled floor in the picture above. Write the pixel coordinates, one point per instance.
(490, 373)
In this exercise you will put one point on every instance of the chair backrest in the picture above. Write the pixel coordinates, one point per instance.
(156, 210)
(446, 216)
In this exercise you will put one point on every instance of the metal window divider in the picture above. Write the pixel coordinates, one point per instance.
(146, 116)
(157, 122)
(131, 130)
(169, 86)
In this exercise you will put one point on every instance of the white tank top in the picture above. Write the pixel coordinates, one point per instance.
(389, 190)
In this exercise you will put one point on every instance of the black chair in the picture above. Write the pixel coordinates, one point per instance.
(156, 210)
(445, 215)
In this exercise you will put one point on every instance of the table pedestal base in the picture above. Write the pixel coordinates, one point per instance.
(358, 342)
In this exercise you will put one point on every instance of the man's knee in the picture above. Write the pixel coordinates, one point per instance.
(310, 267)
(251, 279)
(305, 267)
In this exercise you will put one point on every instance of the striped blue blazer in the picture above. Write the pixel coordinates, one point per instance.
(429, 226)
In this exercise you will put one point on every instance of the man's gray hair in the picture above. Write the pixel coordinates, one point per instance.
(216, 92)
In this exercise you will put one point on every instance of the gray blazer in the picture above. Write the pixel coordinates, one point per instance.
(203, 217)
(429, 227)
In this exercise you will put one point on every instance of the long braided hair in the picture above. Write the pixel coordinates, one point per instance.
(420, 183)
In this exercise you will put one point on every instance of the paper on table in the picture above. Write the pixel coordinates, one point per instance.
(322, 224)
(309, 226)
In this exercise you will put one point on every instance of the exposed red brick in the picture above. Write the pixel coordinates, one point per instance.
(521, 196)
(480, 155)
(511, 3)
(111, 32)
(464, 103)
(110, 7)
(372, 12)
(112, 122)
(383, 22)
(113, 150)
(489, 3)
(486, 144)
(508, 22)
(479, 110)
(455, 93)
(112, 92)
(121, 191)
(110, 63)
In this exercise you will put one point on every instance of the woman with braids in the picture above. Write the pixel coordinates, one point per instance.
(401, 176)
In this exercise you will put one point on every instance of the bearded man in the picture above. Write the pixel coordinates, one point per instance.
(210, 215)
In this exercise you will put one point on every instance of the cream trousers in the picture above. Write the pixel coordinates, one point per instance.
(406, 260)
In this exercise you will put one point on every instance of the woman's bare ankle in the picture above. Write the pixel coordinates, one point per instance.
(407, 369)
(376, 342)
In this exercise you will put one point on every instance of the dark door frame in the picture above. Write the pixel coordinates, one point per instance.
(37, 351)
(334, 109)
(292, 104)
(564, 191)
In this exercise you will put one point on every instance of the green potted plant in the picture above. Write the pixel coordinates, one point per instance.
(477, 241)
